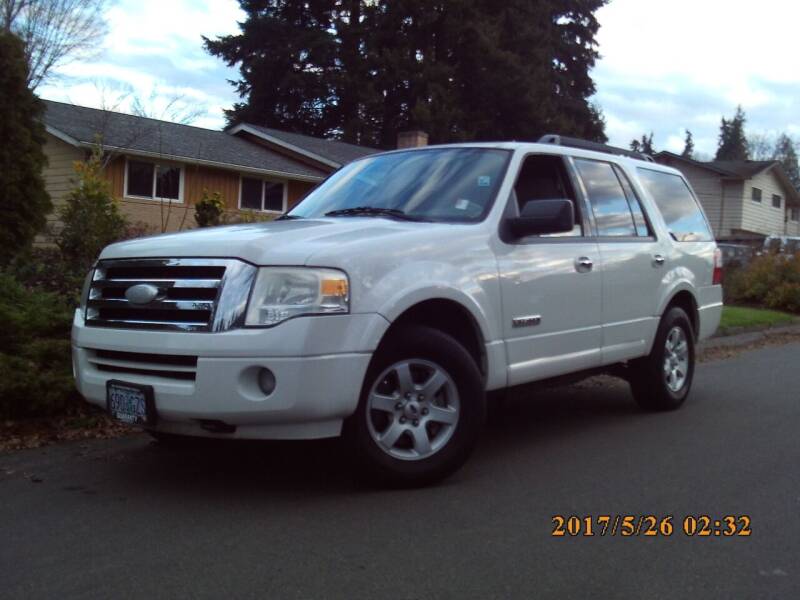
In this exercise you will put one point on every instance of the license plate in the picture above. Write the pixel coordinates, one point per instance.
(131, 403)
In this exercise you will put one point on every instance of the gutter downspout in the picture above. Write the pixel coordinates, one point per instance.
(721, 206)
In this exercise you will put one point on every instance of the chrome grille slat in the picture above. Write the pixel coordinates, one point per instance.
(190, 293)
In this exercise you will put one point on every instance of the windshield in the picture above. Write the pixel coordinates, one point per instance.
(440, 184)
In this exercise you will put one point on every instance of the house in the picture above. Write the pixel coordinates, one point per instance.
(744, 200)
(158, 169)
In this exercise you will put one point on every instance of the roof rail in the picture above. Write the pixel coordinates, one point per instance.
(560, 140)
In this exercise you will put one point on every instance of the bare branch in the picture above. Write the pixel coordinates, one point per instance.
(55, 32)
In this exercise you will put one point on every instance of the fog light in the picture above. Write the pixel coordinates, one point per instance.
(266, 381)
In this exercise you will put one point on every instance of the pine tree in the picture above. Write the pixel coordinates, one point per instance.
(786, 154)
(645, 145)
(362, 70)
(688, 146)
(732, 139)
(24, 202)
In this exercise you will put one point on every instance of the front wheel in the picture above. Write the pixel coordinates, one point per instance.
(421, 409)
(662, 380)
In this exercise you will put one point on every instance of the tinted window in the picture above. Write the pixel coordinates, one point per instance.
(140, 179)
(544, 177)
(642, 228)
(273, 196)
(681, 213)
(611, 210)
(168, 182)
(251, 193)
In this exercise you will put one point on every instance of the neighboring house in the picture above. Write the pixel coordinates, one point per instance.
(158, 169)
(744, 200)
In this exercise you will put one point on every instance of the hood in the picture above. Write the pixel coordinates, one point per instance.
(281, 243)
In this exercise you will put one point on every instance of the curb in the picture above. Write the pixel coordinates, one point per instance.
(746, 338)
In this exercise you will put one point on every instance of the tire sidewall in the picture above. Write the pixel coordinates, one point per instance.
(675, 317)
(418, 342)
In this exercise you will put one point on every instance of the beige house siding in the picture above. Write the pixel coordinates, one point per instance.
(165, 216)
(59, 173)
(762, 217)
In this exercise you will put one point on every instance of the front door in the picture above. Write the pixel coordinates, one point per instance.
(551, 285)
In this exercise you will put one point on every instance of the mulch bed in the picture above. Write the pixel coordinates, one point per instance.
(85, 422)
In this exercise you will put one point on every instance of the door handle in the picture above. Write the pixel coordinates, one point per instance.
(583, 264)
(658, 260)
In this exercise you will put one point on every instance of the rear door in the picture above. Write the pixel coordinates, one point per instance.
(634, 260)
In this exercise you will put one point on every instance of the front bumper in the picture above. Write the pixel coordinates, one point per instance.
(319, 365)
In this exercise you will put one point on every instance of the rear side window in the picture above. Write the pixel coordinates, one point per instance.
(681, 212)
(612, 213)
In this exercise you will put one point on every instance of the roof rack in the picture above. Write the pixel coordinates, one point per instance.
(560, 140)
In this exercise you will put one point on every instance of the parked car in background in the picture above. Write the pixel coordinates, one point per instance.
(736, 255)
(397, 294)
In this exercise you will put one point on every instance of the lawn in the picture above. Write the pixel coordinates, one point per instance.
(740, 316)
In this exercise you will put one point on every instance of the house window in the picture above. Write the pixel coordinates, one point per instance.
(262, 195)
(776, 201)
(151, 180)
(756, 195)
(794, 214)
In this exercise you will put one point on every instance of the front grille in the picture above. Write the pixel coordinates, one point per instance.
(170, 366)
(183, 294)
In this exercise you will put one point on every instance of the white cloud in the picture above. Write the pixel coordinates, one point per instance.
(154, 52)
(727, 52)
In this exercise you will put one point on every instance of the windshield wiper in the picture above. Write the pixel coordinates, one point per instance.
(288, 217)
(372, 211)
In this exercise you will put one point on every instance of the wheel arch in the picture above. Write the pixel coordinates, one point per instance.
(449, 316)
(686, 300)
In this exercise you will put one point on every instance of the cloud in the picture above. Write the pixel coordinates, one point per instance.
(154, 52)
(667, 66)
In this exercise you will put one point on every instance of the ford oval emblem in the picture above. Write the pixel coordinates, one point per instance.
(143, 293)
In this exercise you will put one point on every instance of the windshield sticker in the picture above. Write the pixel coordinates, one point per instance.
(462, 204)
(484, 181)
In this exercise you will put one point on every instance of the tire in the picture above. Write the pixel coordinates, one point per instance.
(653, 386)
(421, 410)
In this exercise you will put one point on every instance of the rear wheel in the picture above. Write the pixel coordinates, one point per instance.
(421, 409)
(662, 380)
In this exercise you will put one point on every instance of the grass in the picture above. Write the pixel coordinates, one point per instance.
(734, 317)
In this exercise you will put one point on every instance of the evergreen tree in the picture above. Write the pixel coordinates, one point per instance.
(732, 139)
(645, 145)
(362, 70)
(24, 203)
(786, 154)
(688, 146)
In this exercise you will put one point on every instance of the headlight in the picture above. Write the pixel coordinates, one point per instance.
(281, 293)
(87, 284)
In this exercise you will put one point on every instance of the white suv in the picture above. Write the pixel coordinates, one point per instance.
(398, 293)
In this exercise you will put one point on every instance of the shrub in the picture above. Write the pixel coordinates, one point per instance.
(771, 281)
(35, 362)
(209, 209)
(90, 219)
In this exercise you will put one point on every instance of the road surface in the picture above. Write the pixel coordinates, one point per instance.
(127, 518)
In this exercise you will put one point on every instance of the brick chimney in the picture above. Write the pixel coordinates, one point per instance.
(412, 139)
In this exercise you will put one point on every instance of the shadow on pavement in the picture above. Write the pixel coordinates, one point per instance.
(523, 422)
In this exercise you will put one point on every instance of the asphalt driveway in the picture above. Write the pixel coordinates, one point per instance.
(127, 518)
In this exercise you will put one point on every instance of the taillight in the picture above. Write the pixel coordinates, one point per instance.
(717, 277)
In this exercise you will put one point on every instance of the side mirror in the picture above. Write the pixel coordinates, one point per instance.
(541, 217)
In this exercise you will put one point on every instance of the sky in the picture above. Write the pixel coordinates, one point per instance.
(665, 66)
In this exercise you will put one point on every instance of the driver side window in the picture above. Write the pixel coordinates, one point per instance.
(545, 177)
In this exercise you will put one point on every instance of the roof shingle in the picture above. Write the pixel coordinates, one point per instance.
(170, 140)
